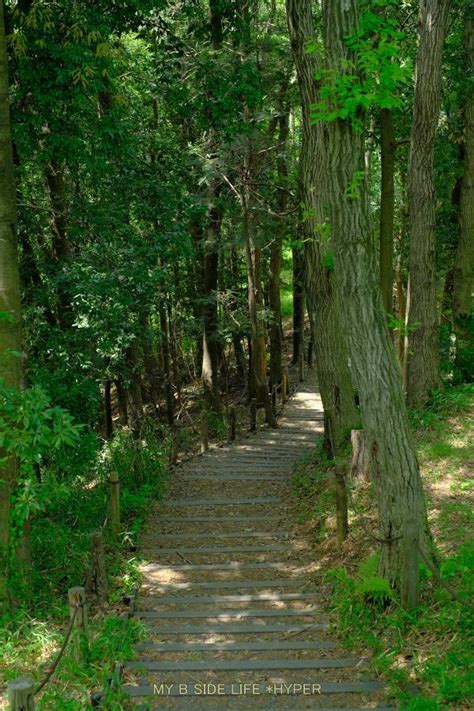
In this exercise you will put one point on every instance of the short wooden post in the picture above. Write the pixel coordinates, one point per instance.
(78, 613)
(114, 482)
(204, 432)
(301, 367)
(253, 415)
(232, 424)
(97, 580)
(21, 694)
(342, 520)
(284, 386)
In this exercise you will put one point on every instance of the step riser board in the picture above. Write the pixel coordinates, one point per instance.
(219, 551)
(258, 665)
(224, 628)
(213, 599)
(235, 646)
(221, 614)
(230, 585)
(360, 687)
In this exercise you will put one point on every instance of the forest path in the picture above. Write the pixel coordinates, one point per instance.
(226, 595)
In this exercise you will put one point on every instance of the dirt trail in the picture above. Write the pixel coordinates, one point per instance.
(234, 620)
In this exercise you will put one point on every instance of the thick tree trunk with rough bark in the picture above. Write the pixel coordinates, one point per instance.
(10, 305)
(400, 500)
(387, 206)
(330, 349)
(422, 316)
(463, 273)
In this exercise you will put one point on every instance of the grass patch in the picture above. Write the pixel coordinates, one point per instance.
(425, 655)
(60, 538)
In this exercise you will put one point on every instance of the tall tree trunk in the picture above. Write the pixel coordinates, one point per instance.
(274, 287)
(133, 390)
(298, 303)
(210, 340)
(422, 317)
(258, 370)
(387, 206)
(330, 349)
(10, 305)
(400, 500)
(166, 366)
(463, 273)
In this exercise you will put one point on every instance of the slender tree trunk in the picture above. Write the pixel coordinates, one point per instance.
(387, 206)
(463, 273)
(298, 304)
(133, 390)
(400, 500)
(210, 341)
(330, 349)
(422, 317)
(122, 403)
(10, 305)
(274, 286)
(257, 362)
(166, 367)
(108, 420)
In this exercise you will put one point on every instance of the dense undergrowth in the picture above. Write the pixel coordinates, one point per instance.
(60, 541)
(425, 655)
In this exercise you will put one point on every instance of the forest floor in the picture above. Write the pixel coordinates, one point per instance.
(429, 648)
(426, 656)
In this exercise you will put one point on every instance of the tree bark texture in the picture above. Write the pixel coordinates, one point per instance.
(463, 273)
(387, 206)
(422, 317)
(399, 491)
(10, 305)
(330, 349)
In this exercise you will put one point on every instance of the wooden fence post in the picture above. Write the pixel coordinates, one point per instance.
(97, 579)
(301, 367)
(114, 502)
(232, 424)
(21, 694)
(78, 613)
(204, 432)
(253, 415)
(342, 520)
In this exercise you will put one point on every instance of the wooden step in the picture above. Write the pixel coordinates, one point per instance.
(234, 566)
(217, 551)
(250, 665)
(224, 502)
(224, 628)
(231, 646)
(230, 584)
(213, 599)
(221, 614)
(337, 687)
